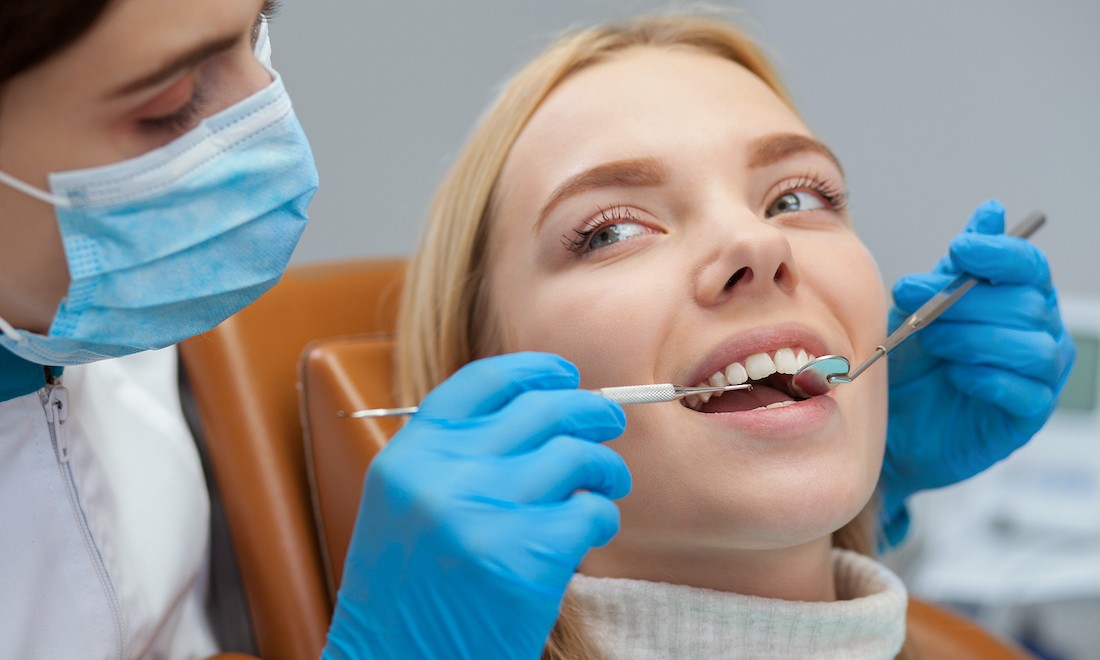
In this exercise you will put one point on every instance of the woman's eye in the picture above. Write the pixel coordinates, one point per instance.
(611, 234)
(614, 224)
(796, 200)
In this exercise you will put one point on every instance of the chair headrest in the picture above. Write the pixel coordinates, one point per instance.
(342, 374)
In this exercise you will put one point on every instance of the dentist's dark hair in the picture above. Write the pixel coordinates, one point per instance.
(32, 30)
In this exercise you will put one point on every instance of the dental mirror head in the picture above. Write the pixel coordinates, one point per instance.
(820, 375)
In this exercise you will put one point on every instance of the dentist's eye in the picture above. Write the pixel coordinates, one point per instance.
(180, 121)
(176, 110)
(613, 225)
(807, 194)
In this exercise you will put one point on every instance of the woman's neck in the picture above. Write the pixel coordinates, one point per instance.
(801, 573)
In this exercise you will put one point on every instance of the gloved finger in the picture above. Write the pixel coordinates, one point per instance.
(565, 465)
(1006, 305)
(585, 520)
(534, 417)
(485, 386)
(557, 536)
(1001, 259)
(1030, 353)
(988, 218)
(1021, 397)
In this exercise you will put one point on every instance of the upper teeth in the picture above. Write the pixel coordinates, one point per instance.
(755, 367)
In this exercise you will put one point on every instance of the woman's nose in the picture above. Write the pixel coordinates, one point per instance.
(748, 257)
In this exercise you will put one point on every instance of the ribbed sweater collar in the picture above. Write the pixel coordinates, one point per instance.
(648, 620)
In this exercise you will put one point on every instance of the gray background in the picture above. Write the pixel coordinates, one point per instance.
(932, 107)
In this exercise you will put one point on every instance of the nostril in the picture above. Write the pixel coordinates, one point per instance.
(742, 274)
(785, 277)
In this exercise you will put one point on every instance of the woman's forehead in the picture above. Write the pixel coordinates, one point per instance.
(645, 102)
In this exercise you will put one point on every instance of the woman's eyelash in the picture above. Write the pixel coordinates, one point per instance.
(181, 120)
(833, 193)
(578, 241)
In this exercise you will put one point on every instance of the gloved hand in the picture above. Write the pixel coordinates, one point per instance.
(476, 514)
(978, 382)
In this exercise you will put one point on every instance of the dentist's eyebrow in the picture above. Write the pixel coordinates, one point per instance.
(632, 173)
(180, 62)
(770, 149)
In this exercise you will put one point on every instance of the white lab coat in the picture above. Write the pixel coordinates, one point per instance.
(104, 518)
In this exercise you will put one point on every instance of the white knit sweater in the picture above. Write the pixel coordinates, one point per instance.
(646, 620)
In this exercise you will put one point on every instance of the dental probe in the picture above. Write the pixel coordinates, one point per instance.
(625, 395)
(822, 374)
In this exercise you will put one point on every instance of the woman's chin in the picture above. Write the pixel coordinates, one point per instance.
(778, 518)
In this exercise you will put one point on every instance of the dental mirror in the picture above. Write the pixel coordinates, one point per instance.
(820, 375)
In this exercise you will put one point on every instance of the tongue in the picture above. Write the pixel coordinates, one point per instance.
(761, 394)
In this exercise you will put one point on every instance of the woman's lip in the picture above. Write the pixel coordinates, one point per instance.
(788, 422)
(758, 340)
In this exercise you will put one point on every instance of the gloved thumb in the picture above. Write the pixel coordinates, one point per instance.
(988, 218)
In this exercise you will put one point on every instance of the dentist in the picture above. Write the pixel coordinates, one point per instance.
(153, 181)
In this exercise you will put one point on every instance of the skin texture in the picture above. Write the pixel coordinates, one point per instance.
(742, 502)
(65, 114)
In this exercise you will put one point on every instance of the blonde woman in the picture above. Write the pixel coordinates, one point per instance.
(644, 202)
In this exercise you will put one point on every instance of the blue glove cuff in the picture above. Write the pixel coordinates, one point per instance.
(894, 525)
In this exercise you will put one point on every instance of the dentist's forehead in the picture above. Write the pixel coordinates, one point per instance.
(137, 41)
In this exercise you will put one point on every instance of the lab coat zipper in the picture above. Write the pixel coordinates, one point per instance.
(57, 414)
(56, 405)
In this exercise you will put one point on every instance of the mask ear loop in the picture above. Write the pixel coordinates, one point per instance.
(28, 189)
(11, 333)
(262, 49)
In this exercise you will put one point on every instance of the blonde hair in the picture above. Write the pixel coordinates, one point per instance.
(446, 318)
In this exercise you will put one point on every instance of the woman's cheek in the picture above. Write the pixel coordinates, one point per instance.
(597, 328)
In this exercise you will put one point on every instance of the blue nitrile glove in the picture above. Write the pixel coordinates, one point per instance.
(475, 516)
(978, 382)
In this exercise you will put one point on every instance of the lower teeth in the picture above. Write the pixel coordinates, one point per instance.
(778, 404)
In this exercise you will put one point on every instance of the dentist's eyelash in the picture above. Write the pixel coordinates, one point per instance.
(833, 193)
(270, 9)
(579, 239)
(181, 120)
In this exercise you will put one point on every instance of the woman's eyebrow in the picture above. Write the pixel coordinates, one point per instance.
(177, 63)
(631, 173)
(769, 149)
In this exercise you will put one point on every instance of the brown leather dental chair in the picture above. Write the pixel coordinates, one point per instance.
(243, 377)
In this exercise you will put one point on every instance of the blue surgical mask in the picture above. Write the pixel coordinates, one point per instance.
(169, 244)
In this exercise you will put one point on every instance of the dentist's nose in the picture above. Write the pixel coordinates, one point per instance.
(749, 258)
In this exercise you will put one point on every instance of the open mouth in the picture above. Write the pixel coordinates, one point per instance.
(770, 376)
